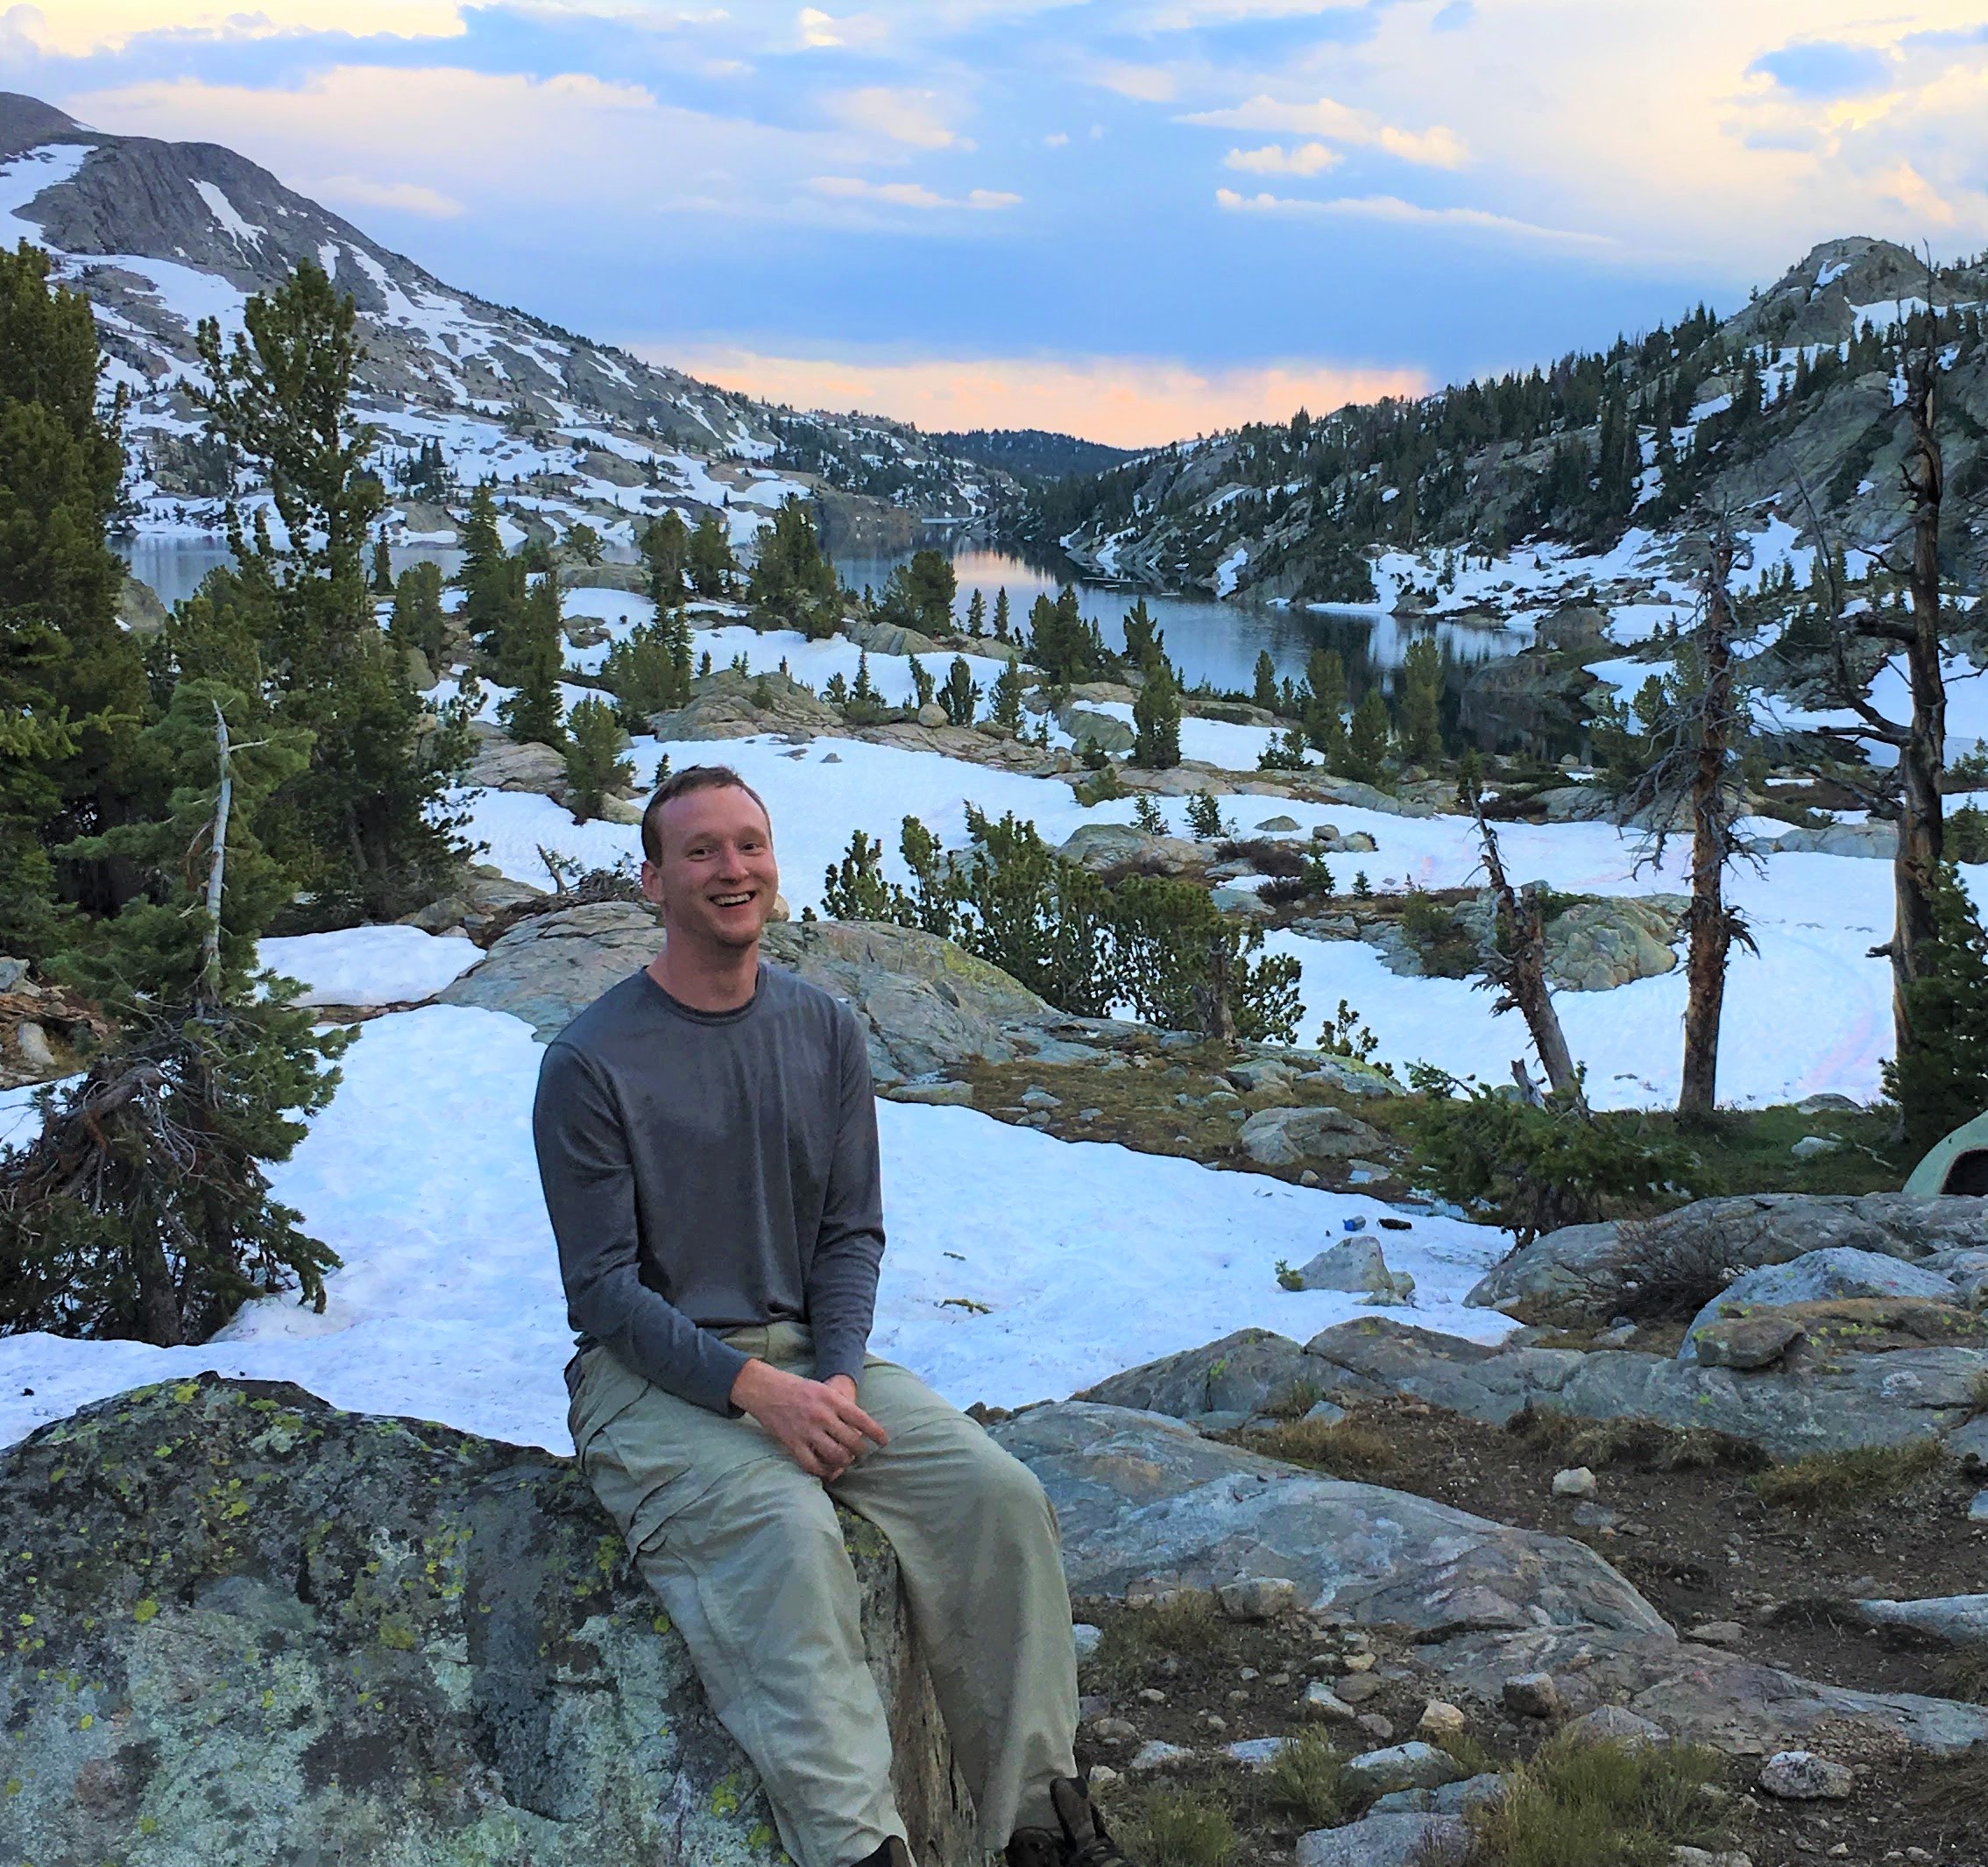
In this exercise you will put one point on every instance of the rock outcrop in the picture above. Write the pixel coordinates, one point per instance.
(929, 1005)
(726, 704)
(1147, 1506)
(1587, 1274)
(242, 1627)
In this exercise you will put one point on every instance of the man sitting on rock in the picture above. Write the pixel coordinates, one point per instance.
(707, 1141)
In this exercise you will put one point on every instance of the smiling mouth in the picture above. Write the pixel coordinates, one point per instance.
(730, 901)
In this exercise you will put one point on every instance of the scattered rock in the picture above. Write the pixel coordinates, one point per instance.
(1440, 1719)
(1978, 1511)
(932, 714)
(1414, 1765)
(1155, 1754)
(726, 704)
(1084, 1638)
(1241, 1373)
(1099, 847)
(31, 1041)
(1878, 839)
(1038, 1098)
(1802, 1776)
(1811, 1145)
(437, 1642)
(941, 1095)
(1531, 1695)
(1265, 1072)
(1278, 825)
(1387, 1840)
(1576, 1482)
(1716, 1633)
(1321, 1702)
(1257, 1598)
(1293, 1137)
(1616, 1724)
(503, 764)
(1355, 1265)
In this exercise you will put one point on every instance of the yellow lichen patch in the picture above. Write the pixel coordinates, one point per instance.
(143, 1611)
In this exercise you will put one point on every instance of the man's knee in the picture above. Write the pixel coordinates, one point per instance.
(1009, 1495)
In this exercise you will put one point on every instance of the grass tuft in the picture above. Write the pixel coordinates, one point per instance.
(1294, 1401)
(1600, 1805)
(1183, 1624)
(1646, 1445)
(1842, 1481)
(1172, 1828)
(1342, 1447)
(1305, 1778)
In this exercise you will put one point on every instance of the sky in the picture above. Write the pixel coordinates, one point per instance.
(1135, 220)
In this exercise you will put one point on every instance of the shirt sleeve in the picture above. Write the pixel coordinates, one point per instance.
(842, 1276)
(588, 1182)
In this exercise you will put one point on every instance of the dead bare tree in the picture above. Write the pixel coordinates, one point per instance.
(1696, 775)
(1919, 741)
(1515, 964)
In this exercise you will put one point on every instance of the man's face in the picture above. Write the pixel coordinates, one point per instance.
(716, 881)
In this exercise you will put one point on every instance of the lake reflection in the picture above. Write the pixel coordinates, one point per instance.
(1211, 641)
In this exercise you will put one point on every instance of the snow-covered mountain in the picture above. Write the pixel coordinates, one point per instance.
(162, 235)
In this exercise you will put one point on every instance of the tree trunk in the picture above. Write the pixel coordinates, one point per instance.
(1522, 973)
(1710, 924)
(1922, 758)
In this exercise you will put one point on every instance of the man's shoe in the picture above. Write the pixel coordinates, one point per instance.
(894, 1853)
(1084, 1841)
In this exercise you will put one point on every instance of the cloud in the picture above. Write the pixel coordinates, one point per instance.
(1188, 16)
(1126, 401)
(910, 117)
(402, 197)
(1145, 83)
(907, 193)
(1391, 208)
(1826, 68)
(1917, 195)
(1436, 148)
(1457, 15)
(1308, 159)
(819, 32)
(78, 28)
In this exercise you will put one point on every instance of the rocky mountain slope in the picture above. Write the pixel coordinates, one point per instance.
(162, 235)
(1799, 390)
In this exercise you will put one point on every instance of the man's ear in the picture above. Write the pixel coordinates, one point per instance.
(651, 882)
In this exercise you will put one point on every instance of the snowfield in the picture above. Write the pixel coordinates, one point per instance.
(421, 1175)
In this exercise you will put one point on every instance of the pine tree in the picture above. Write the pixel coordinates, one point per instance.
(922, 682)
(793, 586)
(960, 697)
(1325, 709)
(1421, 699)
(1000, 621)
(537, 660)
(665, 545)
(1061, 643)
(977, 613)
(1367, 738)
(1156, 719)
(1007, 691)
(863, 693)
(708, 559)
(382, 566)
(72, 695)
(1942, 1081)
(142, 1209)
(1266, 693)
(585, 542)
(1145, 645)
(418, 622)
(648, 670)
(483, 557)
(363, 830)
(596, 760)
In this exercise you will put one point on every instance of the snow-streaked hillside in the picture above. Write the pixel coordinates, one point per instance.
(160, 235)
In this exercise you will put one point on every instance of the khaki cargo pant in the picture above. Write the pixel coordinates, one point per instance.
(743, 1547)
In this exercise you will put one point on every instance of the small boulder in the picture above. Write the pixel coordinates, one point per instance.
(1802, 1776)
(1531, 1695)
(1747, 1341)
(1576, 1482)
(1440, 1719)
(1321, 1702)
(1387, 1840)
(1294, 1137)
(1156, 1755)
(1264, 1072)
(1278, 825)
(931, 714)
(1818, 1277)
(1811, 1145)
(1257, 1598)
(1357, 1267)
(1413, 1766)
(1616, 1724)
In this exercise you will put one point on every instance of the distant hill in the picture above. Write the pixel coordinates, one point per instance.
(1032, 453)
(1788, 404)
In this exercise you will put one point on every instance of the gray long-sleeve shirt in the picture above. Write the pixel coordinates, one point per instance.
(710, 1171)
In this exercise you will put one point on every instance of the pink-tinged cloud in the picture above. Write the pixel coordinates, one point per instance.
(1437, 147)
(1129, 402)
(1391, 208)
